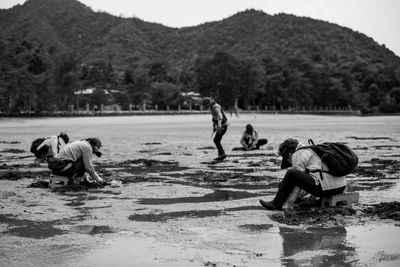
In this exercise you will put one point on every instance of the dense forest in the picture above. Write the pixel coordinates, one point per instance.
(53, 51)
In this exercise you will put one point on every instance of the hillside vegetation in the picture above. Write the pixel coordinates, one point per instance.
(51, 49)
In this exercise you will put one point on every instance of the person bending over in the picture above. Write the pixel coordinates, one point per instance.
(76, 159)
(304, 171)
(49, 147)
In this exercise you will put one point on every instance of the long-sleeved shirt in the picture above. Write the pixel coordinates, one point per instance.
(55, 144)
(80, 149)
(307, 159)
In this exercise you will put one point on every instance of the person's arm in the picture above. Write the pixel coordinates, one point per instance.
(54, 146)
(255, 141)
(218, 117)
(300, 159)
(242, 141)
(41, 145)
(87, 161)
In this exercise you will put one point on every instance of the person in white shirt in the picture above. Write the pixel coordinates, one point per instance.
(305, 172)
(76, 159)
(50, 147)
(250, 139)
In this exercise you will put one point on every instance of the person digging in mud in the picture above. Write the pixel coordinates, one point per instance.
(76, 159)
(220, 125)
(45, 148)
(301, 164)
(250, 140)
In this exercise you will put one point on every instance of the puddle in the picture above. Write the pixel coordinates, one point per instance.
(140, 179)
(375, 245)
(217, 195)
(301, 246)
(13, 150)
(256, 227)
(14, 175)
(92, 229)
(9, 142)
(80, 201)
(163, 217)
(369, 138)
(389, 147)
(206, 148)
(153, 169)
(30, 229)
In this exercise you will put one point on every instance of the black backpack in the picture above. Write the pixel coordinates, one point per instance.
(35, 145)
(339, 158)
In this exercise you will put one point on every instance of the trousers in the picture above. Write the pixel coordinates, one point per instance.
(217, 140)
(77, 169)
(304, 181)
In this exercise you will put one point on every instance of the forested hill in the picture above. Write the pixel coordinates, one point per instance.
(60, 46)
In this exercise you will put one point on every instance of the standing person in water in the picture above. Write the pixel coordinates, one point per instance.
(220, 124)
(250, 139)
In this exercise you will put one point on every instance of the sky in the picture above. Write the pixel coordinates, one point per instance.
(378, 19)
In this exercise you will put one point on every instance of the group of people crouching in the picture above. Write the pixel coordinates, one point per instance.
(72, 160)
(305, 168)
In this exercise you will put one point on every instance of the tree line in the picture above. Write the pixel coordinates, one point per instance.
(32, 80)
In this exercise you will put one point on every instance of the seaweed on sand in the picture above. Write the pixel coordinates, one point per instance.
(308, 211)
(385, 210)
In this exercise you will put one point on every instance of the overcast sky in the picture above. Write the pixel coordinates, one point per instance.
(379, 19)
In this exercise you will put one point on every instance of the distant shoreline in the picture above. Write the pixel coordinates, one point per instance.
(184, 112)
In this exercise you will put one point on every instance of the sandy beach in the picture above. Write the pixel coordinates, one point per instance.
(168, 204)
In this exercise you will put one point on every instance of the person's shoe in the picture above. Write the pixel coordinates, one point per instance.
(221, 157)
(269, 205)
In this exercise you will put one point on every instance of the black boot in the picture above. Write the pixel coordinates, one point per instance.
(270, 205)
(221, 155)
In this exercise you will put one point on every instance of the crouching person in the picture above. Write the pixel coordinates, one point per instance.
(304, 171)
(76, 159)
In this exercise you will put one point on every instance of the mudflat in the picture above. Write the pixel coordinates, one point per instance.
(167, 203)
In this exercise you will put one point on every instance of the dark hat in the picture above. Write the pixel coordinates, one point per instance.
(96, 145)
(207, 101)
(285, 148)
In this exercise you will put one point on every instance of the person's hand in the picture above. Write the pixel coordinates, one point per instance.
(100, 180)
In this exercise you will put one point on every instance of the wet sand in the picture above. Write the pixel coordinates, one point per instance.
(169, 204)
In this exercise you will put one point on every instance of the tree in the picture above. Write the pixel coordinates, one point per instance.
(220, 78)
(66, 80)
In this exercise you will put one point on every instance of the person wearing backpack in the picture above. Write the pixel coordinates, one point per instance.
(307, 171)
(220, 124)
(45, 148)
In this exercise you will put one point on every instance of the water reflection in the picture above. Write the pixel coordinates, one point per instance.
(319, 246)
(217, 195)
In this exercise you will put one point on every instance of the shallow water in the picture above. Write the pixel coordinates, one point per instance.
(171, 217)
